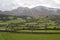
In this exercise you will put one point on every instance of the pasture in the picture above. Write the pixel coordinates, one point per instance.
(30, 24)
(16, 36)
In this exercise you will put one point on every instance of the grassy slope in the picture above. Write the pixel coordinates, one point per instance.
(14, 36)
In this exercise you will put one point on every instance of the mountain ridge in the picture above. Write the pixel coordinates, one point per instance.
(39, 10)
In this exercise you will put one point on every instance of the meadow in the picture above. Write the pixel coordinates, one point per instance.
(16, 36)
(29, 24)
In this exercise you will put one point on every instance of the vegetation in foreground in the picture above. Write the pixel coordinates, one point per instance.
(14, 36)
(29, 24)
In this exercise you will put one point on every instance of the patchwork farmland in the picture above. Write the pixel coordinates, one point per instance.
(29, 27)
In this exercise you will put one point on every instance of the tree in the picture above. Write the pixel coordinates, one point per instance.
(32, 26)
(11, 27)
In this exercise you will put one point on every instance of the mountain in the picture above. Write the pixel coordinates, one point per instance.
(22, 11)
(39, 10)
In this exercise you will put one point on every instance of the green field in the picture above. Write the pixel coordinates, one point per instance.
(17, 24)
(15, 36)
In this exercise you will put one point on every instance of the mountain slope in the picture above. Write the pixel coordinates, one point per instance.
(39, 10)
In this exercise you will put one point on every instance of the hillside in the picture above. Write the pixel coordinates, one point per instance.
(39, 10)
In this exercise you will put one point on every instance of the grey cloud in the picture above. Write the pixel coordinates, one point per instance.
(12, 4)
(7, 4)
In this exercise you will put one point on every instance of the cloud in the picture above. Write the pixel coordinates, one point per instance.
(33, 3)
(7, 4)
(12, 4)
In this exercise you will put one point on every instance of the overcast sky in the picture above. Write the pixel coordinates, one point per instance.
(12, 4)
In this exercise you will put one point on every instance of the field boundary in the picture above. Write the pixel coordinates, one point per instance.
(30, 32)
